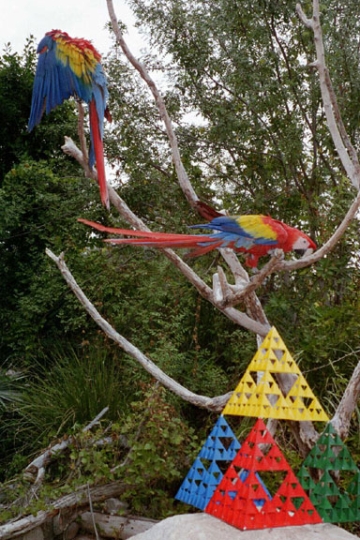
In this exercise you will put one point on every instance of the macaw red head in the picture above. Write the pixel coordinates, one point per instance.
(292, 240)
(299, 242)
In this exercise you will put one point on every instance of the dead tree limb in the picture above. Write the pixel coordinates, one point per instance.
(345, 410)
(350, 162)
(77, 499)
(35, 470)
(343, 146)
(215, 404)
(185, 184)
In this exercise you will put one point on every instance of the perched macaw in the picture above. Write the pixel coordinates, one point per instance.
(255, 235)
(71, 67)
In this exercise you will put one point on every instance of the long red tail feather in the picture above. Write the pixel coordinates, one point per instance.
(155, 239)
(99, 154)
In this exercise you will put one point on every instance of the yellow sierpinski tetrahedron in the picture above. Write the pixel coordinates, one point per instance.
(259, 395)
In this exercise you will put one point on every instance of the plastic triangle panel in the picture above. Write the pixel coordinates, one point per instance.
(330, 457)
(220, 448)
(274, 355)
(354, 493)
(221, 444)
(246, 502)
(259, 395)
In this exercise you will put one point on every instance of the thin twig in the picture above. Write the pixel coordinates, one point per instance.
(96, 420)
(92, 513)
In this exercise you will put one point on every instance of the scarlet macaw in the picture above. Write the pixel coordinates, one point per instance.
(255, 235)
(71, 67)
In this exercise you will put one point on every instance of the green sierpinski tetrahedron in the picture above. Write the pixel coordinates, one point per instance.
(330, 457)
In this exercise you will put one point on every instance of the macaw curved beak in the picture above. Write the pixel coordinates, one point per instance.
(304, 252)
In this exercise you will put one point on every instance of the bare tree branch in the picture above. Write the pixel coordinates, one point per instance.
(234, 315)
(342, 418)
(180, 170)
(215, 404)
(81, 133)
(233, 294)
(72, 150)
(344, 148)
(79, 498)
(349, 159)
(36, 469)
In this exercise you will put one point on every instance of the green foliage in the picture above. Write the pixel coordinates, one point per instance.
(16, 78)
(39, 210)
(72, 391)
(9, 387)
(147, 450)
(162, 449)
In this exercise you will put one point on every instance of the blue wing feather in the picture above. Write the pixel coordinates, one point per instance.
(224, 224)
(52, 84)
(232, 234)
(55, 82)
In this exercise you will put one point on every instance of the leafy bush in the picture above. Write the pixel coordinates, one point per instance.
(149, 449)
(69, 393)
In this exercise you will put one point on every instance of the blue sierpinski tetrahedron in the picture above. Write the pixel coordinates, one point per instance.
(215, 456)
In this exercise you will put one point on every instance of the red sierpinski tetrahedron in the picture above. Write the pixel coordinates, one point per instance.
(235, 500)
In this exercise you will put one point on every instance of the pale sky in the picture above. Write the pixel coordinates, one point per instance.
(79, 18)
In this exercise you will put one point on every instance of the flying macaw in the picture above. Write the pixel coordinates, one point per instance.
(71, 67)
(254, 235)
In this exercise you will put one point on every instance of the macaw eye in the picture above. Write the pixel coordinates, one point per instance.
(301, 243)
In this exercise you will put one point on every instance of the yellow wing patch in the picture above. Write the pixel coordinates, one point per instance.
(81, 61)
(257, 227)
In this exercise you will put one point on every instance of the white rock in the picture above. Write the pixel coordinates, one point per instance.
(206, 527)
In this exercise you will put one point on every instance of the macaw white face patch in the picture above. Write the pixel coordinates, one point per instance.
(302, 244)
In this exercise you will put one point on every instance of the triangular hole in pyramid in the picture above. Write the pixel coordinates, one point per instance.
(226, 442)
(247, 502)
(272, 480)
(209, 466)
(279, 353)
(331, 489)
(259, 395)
